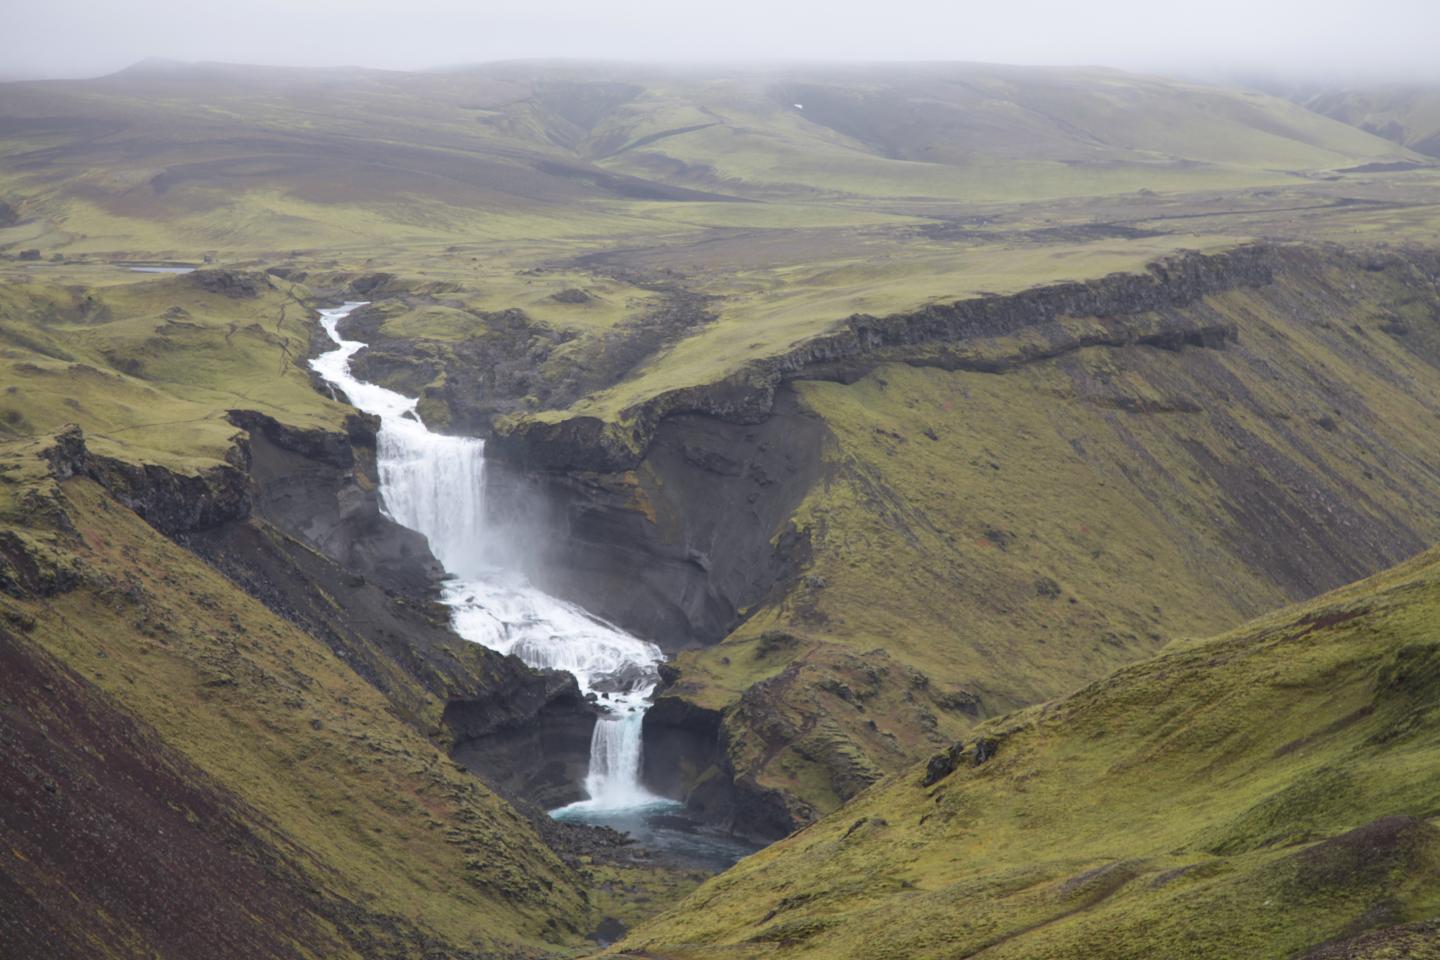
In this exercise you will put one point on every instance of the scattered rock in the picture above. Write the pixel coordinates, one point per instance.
(943, 764)
(229, 283)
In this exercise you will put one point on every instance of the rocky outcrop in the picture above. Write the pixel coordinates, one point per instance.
(295, 520)
(686, 757)
(236, 284)
(322, 487)
(510, 362)
(171, 502)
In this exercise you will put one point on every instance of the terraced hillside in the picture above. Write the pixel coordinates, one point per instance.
(1271, 792)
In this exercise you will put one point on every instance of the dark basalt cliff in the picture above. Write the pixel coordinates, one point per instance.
(676, 522)
(679, 549)
(173, 503)
(320, 487)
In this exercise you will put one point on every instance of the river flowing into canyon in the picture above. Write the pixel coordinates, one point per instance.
(435, 484)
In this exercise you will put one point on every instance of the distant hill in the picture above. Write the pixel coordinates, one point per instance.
(1408, 115)
(237, 157)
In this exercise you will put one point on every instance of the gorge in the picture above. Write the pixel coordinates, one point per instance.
(435, 485)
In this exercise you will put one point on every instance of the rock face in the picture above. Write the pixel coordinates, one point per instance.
(677, 550)
(170, 502)
(321, 487)
(510, 361)
(1192, 389)
(686, 757)
(230, 283)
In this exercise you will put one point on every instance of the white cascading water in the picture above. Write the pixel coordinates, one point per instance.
(435, 484)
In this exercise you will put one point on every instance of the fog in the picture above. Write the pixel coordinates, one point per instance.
(1326, 40)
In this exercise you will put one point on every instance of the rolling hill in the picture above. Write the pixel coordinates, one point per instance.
(176, 157)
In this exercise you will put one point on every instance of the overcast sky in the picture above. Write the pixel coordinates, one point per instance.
(1324, 38)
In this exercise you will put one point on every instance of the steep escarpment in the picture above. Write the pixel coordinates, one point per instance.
(1268, 793)
(941, 335)
(1011, 497)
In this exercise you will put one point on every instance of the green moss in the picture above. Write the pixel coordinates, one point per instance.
(1223, 799)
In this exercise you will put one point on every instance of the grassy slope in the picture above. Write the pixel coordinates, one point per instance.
(148, 366)
(1193, 805)
(366, 807)
(1408, 115)
(1012, 536)
(431, 176)
(963, 132)
(341, 783)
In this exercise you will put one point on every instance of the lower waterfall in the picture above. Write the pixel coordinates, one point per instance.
(435, 484)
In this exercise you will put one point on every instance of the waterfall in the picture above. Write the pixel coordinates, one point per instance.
(435, 484)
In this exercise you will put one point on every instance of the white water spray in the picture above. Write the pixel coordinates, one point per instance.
(435, 484)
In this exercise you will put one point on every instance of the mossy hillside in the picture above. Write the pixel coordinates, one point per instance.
(1257, 794)
(1008, 537)
(367, 807)
(1408, 114)
(350, 158)
(149, 367)
(954, 130)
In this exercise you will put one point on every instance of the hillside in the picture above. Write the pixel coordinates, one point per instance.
(1271, 792)
(209, 747)
(228, 664)
(177, 159)
(1408, 115)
